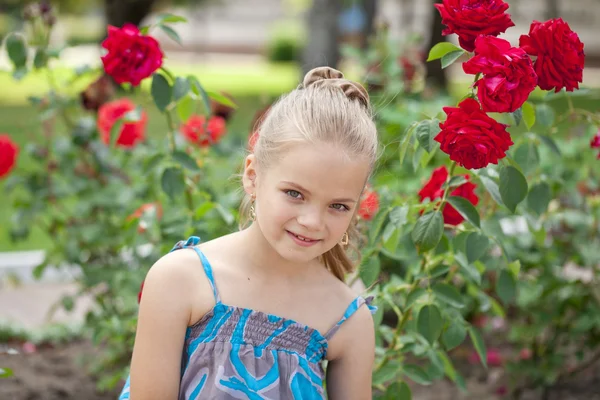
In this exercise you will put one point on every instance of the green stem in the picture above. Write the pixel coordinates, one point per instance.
(171, 131)
(447, 190)
(168, 73)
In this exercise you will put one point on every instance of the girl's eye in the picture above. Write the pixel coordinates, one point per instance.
(340, 207)
(294, 193)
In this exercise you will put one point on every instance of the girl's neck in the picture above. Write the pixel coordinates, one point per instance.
(263, 258)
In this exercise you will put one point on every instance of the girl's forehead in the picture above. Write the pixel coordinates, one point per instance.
(322, 167)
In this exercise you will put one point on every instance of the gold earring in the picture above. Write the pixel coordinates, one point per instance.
(345, 239)
(252, 209)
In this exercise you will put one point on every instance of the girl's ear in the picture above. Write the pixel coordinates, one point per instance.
(249, 177)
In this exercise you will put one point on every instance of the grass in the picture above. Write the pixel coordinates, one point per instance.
(247, 80)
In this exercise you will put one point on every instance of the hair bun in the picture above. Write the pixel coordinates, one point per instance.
(322, 76)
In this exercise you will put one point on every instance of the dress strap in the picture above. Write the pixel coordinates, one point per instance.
(191, 243)
(352, 308)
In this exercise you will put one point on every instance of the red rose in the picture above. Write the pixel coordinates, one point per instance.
(8, 155)
(433, 190)
(131, 56)
(131, 132)
(595, 143)
(196, 131)
(508, 75)
(471, 138)
(559, 53)
(471, 18)
(369, 205)
(156, 207)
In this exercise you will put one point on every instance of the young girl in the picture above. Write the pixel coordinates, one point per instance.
(252, 315)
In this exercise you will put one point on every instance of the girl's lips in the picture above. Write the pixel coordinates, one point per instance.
(305, 242)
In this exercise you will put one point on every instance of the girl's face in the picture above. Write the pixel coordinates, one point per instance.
(306, 200)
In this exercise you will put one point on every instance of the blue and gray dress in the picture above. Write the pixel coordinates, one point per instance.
(238, 353)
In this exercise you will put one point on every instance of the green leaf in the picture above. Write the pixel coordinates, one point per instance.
(539, 198)
(225, 214)
(413, 296)
(545, 115)
(518, 116)
(515, 268)
(441, 49)
(219, 98)
(171, 33)
(455, 181)
(449, 58)
(468, 269)
(41, 59)
(506, 287)
(398, 391)
(16, 47)
(527, 157)
(185, 160)
(6, 372)
(551, 143)
(428, 231)
(198, 90)
(426, 131)
(388, 372)
(454, 336)
(466, 209)
(161, 91)
(492, 188)
(399, 216)
(145, 29)
(528, 114)
(369, 271)
(479, 345)
(180, 88)
(416, 374)
(170, 18)
(173, 182)
(391, 237)
(406, 141)
(476, 246)
(203, 209)
(430, 323)
(185, 108)
(513, 187)
(448, 294)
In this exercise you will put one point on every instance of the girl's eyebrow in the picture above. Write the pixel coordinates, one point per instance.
(304, 190)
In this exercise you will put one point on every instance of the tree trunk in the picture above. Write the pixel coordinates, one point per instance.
(118, 12)
(322, 47)
(369, 7)
(435, 74)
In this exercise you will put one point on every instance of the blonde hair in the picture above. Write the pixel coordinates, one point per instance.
(325, 108)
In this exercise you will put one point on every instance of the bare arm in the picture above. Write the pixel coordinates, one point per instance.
(164, 315)
(349, 373)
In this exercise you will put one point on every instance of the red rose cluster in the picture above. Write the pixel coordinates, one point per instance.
(507, 75)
